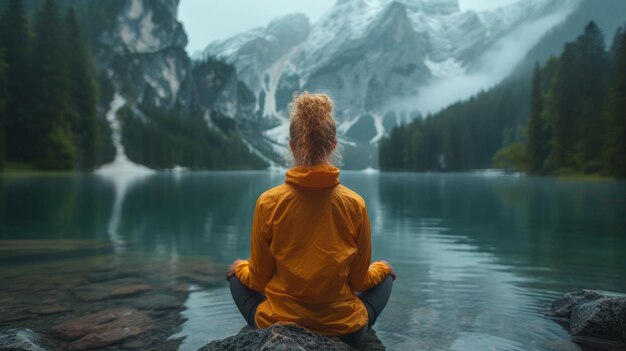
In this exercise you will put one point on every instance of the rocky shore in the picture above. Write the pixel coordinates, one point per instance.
(130, 303)
(98, 303)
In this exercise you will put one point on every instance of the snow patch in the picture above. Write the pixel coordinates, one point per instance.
(370, 170)
(147, 39)
(444, 69)
(137, 33)
(493, 172)
(136, 8)
(347, 124)
(155, 85)
(346, 142)
(179, 169)
(207, 119)
(170, 75)
(380, 129)
(229, 108)
(274, 73)
(280, 133)
(121, 163)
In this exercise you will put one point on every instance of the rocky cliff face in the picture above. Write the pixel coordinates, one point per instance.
(140, 47)
(144, 54)
(368, 54)
(229, 105)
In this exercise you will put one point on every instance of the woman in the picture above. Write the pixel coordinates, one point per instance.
(310, 247)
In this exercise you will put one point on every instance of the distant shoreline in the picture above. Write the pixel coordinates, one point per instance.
(488, 172)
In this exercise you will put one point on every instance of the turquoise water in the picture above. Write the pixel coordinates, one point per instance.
(479, 258)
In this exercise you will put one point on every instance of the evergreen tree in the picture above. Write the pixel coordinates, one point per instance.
(614, 50)
(462, 136)
(16, 43)
(616, 108)
(566, 126)
(591, 79)
(3, 103)
(562, 107)
(53, 139)
(536, 142)
(83, 93)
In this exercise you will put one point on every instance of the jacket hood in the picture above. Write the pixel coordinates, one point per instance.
(318, 176)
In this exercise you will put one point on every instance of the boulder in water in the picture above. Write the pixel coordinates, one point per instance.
(594, 318)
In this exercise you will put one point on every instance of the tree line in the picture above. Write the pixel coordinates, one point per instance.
(462, 136)
(566, 117)
(577, 121)
(49, 91)
(169, 139)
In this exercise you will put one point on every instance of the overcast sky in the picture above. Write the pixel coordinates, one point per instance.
(208, 20)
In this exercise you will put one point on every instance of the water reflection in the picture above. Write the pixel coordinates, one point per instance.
(192, 214)
(121, 184)
(209, 316)
(67, 207)
(473, 268)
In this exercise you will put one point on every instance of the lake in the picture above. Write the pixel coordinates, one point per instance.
(479, 257)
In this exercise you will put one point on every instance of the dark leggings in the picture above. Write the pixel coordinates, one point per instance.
(374, 299)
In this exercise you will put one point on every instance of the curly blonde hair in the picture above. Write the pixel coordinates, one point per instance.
(313, 129)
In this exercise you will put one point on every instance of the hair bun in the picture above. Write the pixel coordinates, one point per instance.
(312, 127)
(313, 105)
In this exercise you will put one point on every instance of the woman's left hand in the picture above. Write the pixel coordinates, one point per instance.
(230, 272)
(392, 272)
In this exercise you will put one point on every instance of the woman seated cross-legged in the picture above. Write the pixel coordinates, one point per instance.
(310, 248)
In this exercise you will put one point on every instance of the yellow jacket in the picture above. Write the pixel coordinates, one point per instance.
(310, 251)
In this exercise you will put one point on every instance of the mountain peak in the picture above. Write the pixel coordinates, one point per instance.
(429, 7)
(438, 7)
(292, 28)
(371, 56)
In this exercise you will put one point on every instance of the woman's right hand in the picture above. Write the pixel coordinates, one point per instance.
(392, 272)
(230, 272)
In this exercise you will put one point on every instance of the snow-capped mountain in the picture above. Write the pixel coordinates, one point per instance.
(370, 55)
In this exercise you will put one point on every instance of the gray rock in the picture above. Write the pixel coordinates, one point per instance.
(277, 338)
(594, 318)
(103, 328)
(19, 340)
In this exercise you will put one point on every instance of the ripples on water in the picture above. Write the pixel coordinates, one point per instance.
(479, 259)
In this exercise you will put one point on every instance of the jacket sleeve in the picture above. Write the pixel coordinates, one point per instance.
(364, 275)
(256, 272)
